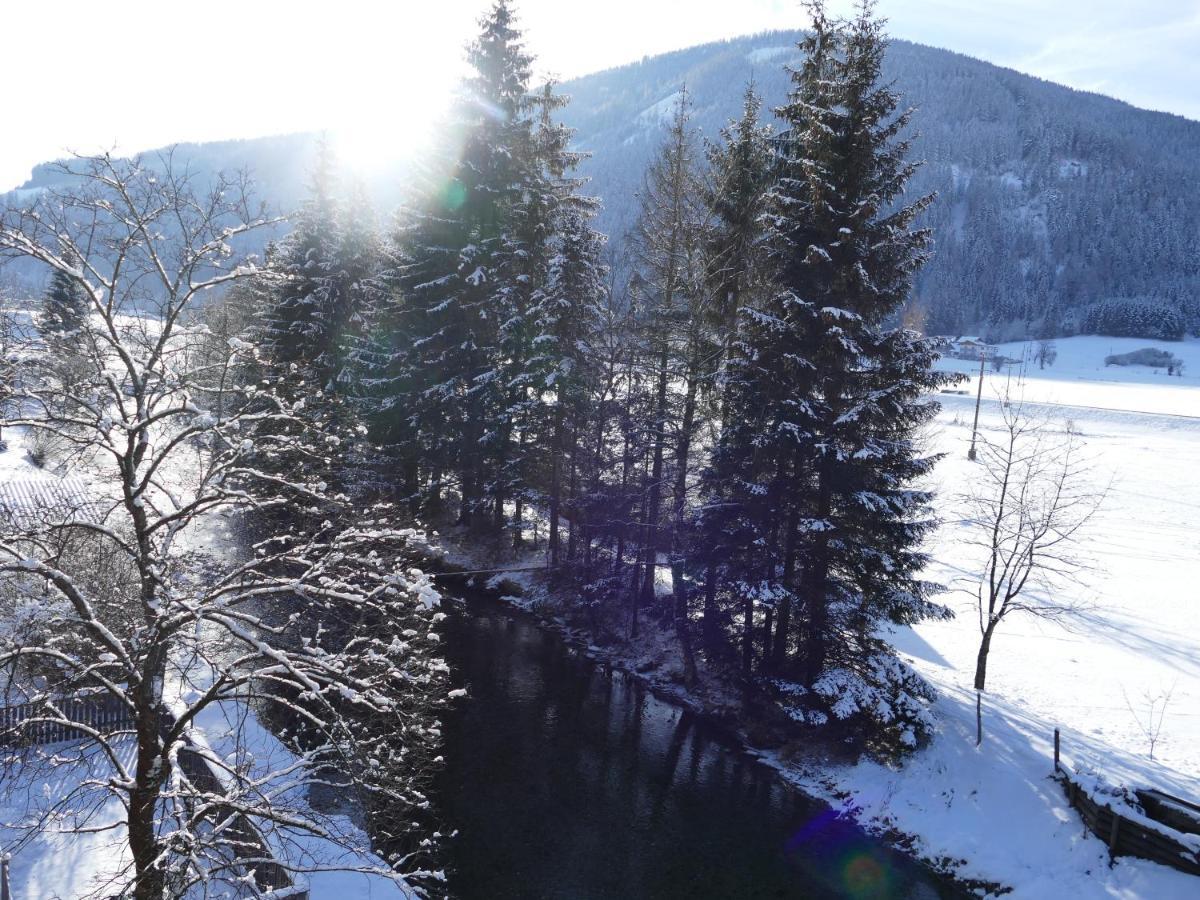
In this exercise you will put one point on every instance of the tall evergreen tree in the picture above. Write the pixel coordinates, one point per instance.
(453, 246)
(740, 172)
(819, 458)
(64, 308)
(302, 322)
(312, 320)
(563, 319)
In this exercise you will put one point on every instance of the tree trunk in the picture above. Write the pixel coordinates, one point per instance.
(412, 483)
(683, 628)
(747, 635)
(572, 491)
(434, 500)
(654, 500)
(518, 523)
(682, 614)
(634, 593)
(626, 470)
(816, 589)
(981, 660)
(150, 877)
(467, 501)
(779, 651)
(978, 718)
(709, 619)
(768, 631)
(555, 481)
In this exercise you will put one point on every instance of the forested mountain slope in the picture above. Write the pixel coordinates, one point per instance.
(1051, 202)
(1049, 199)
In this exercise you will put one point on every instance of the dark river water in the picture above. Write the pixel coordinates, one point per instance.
(568, 782)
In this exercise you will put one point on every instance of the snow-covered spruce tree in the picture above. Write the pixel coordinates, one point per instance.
(562, 320)
(317, 289)
(568, 325)
(826, 397)
(519, 282)
(64, 309)
(182, 640)
(305, 315)
(451, 246)
(740, 172)
(363, 469)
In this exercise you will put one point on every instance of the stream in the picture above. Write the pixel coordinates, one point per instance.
(568, 781)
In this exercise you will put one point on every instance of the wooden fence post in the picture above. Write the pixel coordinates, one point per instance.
(1056, 747)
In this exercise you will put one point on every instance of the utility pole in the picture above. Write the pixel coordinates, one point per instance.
(978, 400)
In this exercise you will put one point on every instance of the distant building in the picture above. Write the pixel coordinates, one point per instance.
(968, 347)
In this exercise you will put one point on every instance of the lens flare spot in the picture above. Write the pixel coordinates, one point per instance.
(453, 195)
(864, 876)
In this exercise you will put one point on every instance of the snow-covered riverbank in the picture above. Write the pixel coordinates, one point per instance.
(993, 812)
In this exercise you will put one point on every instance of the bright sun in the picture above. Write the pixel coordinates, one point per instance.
(370, 135)
(367, 147)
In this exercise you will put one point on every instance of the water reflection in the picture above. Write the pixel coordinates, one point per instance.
(566, 781)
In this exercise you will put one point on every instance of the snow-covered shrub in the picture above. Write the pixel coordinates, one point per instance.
(885, 695)
(881, 705)
(1147, 356)
(46, 449)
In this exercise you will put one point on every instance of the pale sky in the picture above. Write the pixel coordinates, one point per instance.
(130, 75)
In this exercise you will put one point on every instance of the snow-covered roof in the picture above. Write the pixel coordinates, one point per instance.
(28, 502)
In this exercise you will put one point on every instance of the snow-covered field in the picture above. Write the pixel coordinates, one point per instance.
(995, 807)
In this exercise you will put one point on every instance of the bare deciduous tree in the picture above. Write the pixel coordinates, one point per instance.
(1031, 499)
(1045, 353)
(1156, 713)
(194, 628)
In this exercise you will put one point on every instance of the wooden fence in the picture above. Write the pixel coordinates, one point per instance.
(32, 723)
(1128, 837)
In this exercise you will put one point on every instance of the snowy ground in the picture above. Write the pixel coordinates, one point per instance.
(995, 807)
(52, 863)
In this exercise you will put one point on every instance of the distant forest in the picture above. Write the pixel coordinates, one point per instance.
(1058, 212)
(1051, 202)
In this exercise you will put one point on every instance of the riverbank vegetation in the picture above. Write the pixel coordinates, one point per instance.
(717, 431)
